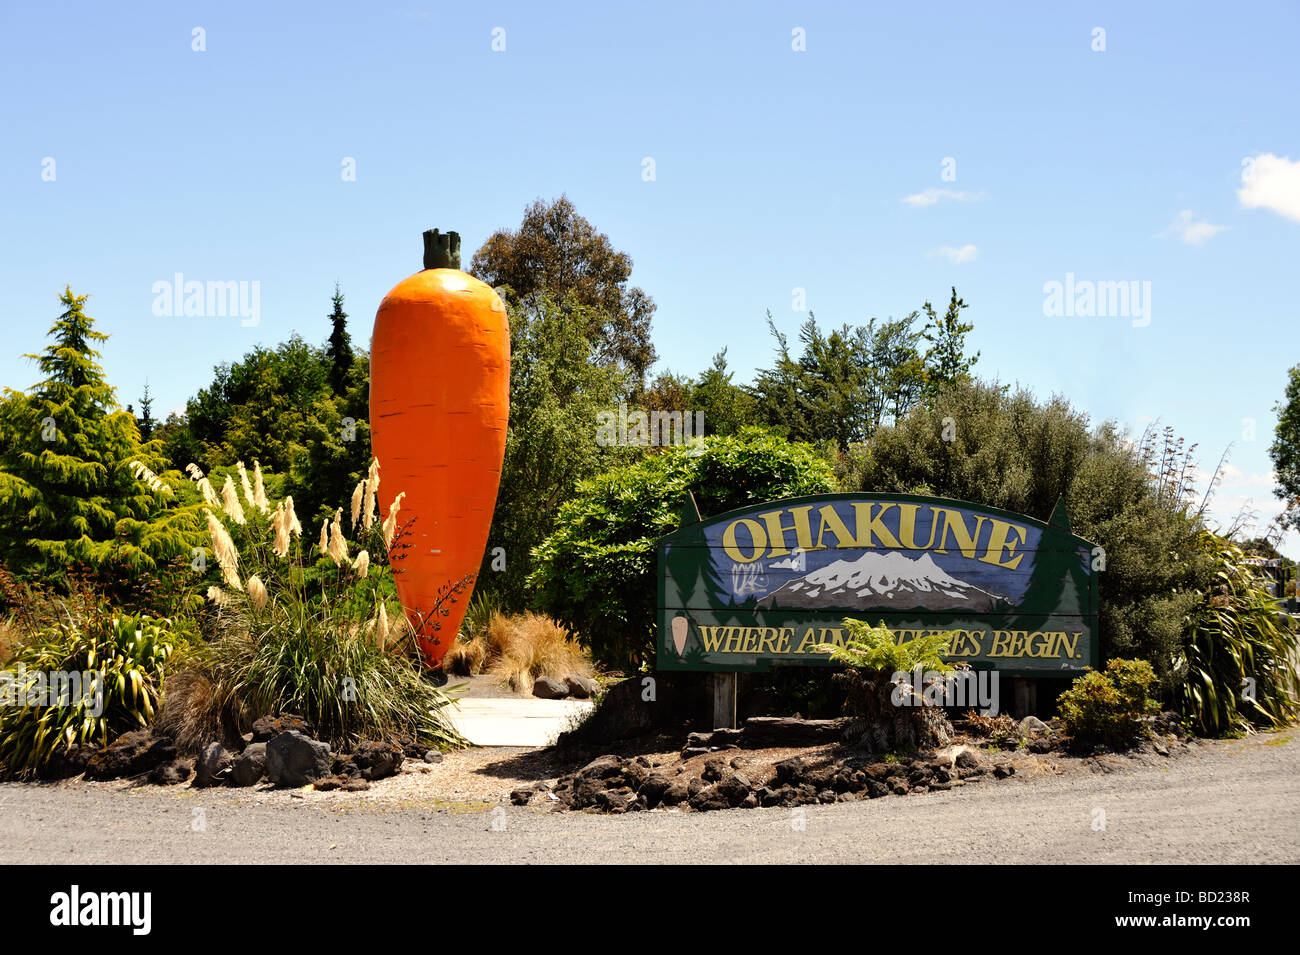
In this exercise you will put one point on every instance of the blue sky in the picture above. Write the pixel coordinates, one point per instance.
(774, 169)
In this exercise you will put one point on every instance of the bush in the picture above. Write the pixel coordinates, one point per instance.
(1237, 666)
(520, 649)
(311, 637)
(1107, 707)
(1012, 452)
(596, 572)
(131, 656)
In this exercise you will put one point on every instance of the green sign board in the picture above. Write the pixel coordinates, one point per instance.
(764, 585)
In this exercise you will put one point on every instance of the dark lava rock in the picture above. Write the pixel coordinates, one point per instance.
(615, 800)
(734, 788)
(967, 759)
(249, 767)
(212, 766)
(1003, 770)
(709, 798)
(66, 761)
(375, 760)
(520, 797)
(713, 769)
(652, 790)
(267, 728)
(676, 793)
(294, 760)
(130, 755)
(581, 687)
(550, 688)
(171, 773)
(791, 770)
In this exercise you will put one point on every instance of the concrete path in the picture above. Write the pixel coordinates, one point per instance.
(516, 720)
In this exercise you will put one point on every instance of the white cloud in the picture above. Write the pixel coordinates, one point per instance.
(967, 253)
(1187, 230)
(929, 197)
(1273, 183)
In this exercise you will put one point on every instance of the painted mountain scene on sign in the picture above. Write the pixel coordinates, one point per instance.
(882, 581)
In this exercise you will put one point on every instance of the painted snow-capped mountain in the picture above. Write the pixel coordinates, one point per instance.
(882, 581)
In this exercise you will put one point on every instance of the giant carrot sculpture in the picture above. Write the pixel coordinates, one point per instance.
(439, 405)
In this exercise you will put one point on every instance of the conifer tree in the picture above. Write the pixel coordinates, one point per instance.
(68, 490)
(338, 354)
(146, 420)
(946, 360)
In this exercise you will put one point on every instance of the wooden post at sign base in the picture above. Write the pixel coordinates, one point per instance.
(724, 701)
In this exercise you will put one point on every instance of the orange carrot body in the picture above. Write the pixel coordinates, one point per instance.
(439, 408)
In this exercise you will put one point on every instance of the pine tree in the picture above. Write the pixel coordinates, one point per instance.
(146, 421)
(946, 361)
(339, 351)
(68, 493)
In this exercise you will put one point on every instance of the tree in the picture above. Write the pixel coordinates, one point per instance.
(945, 360)
(727, 407)
(258, 408)
(338, 353)
(68, 494)
(1285, 449)
(557, 390)
(145, 422)
(1010, 451)
(596, 570)
(559, 252)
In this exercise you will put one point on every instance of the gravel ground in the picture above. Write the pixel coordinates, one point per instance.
(1234, 801)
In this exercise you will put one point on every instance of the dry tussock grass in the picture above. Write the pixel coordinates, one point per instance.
(11, 635)
(519, 649)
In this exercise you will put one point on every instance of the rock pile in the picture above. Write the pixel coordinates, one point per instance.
(615, 784)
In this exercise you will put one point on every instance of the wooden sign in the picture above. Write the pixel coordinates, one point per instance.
(765, 585)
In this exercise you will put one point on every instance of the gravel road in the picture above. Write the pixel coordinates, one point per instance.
(1234, 801)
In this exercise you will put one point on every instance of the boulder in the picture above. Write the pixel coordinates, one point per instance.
(249, 767)
(550, 688)
(433, 756)
(676, 793)
(733, 788)
(791, 770)
(130, 755)
(581, 687)
(171, 773)
(267, 728)
(652, 790)
(213, 766)
(967, 759)
(709, 798)
(293, 759)
(375, 760)
(1033, 726)
(66, 761)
